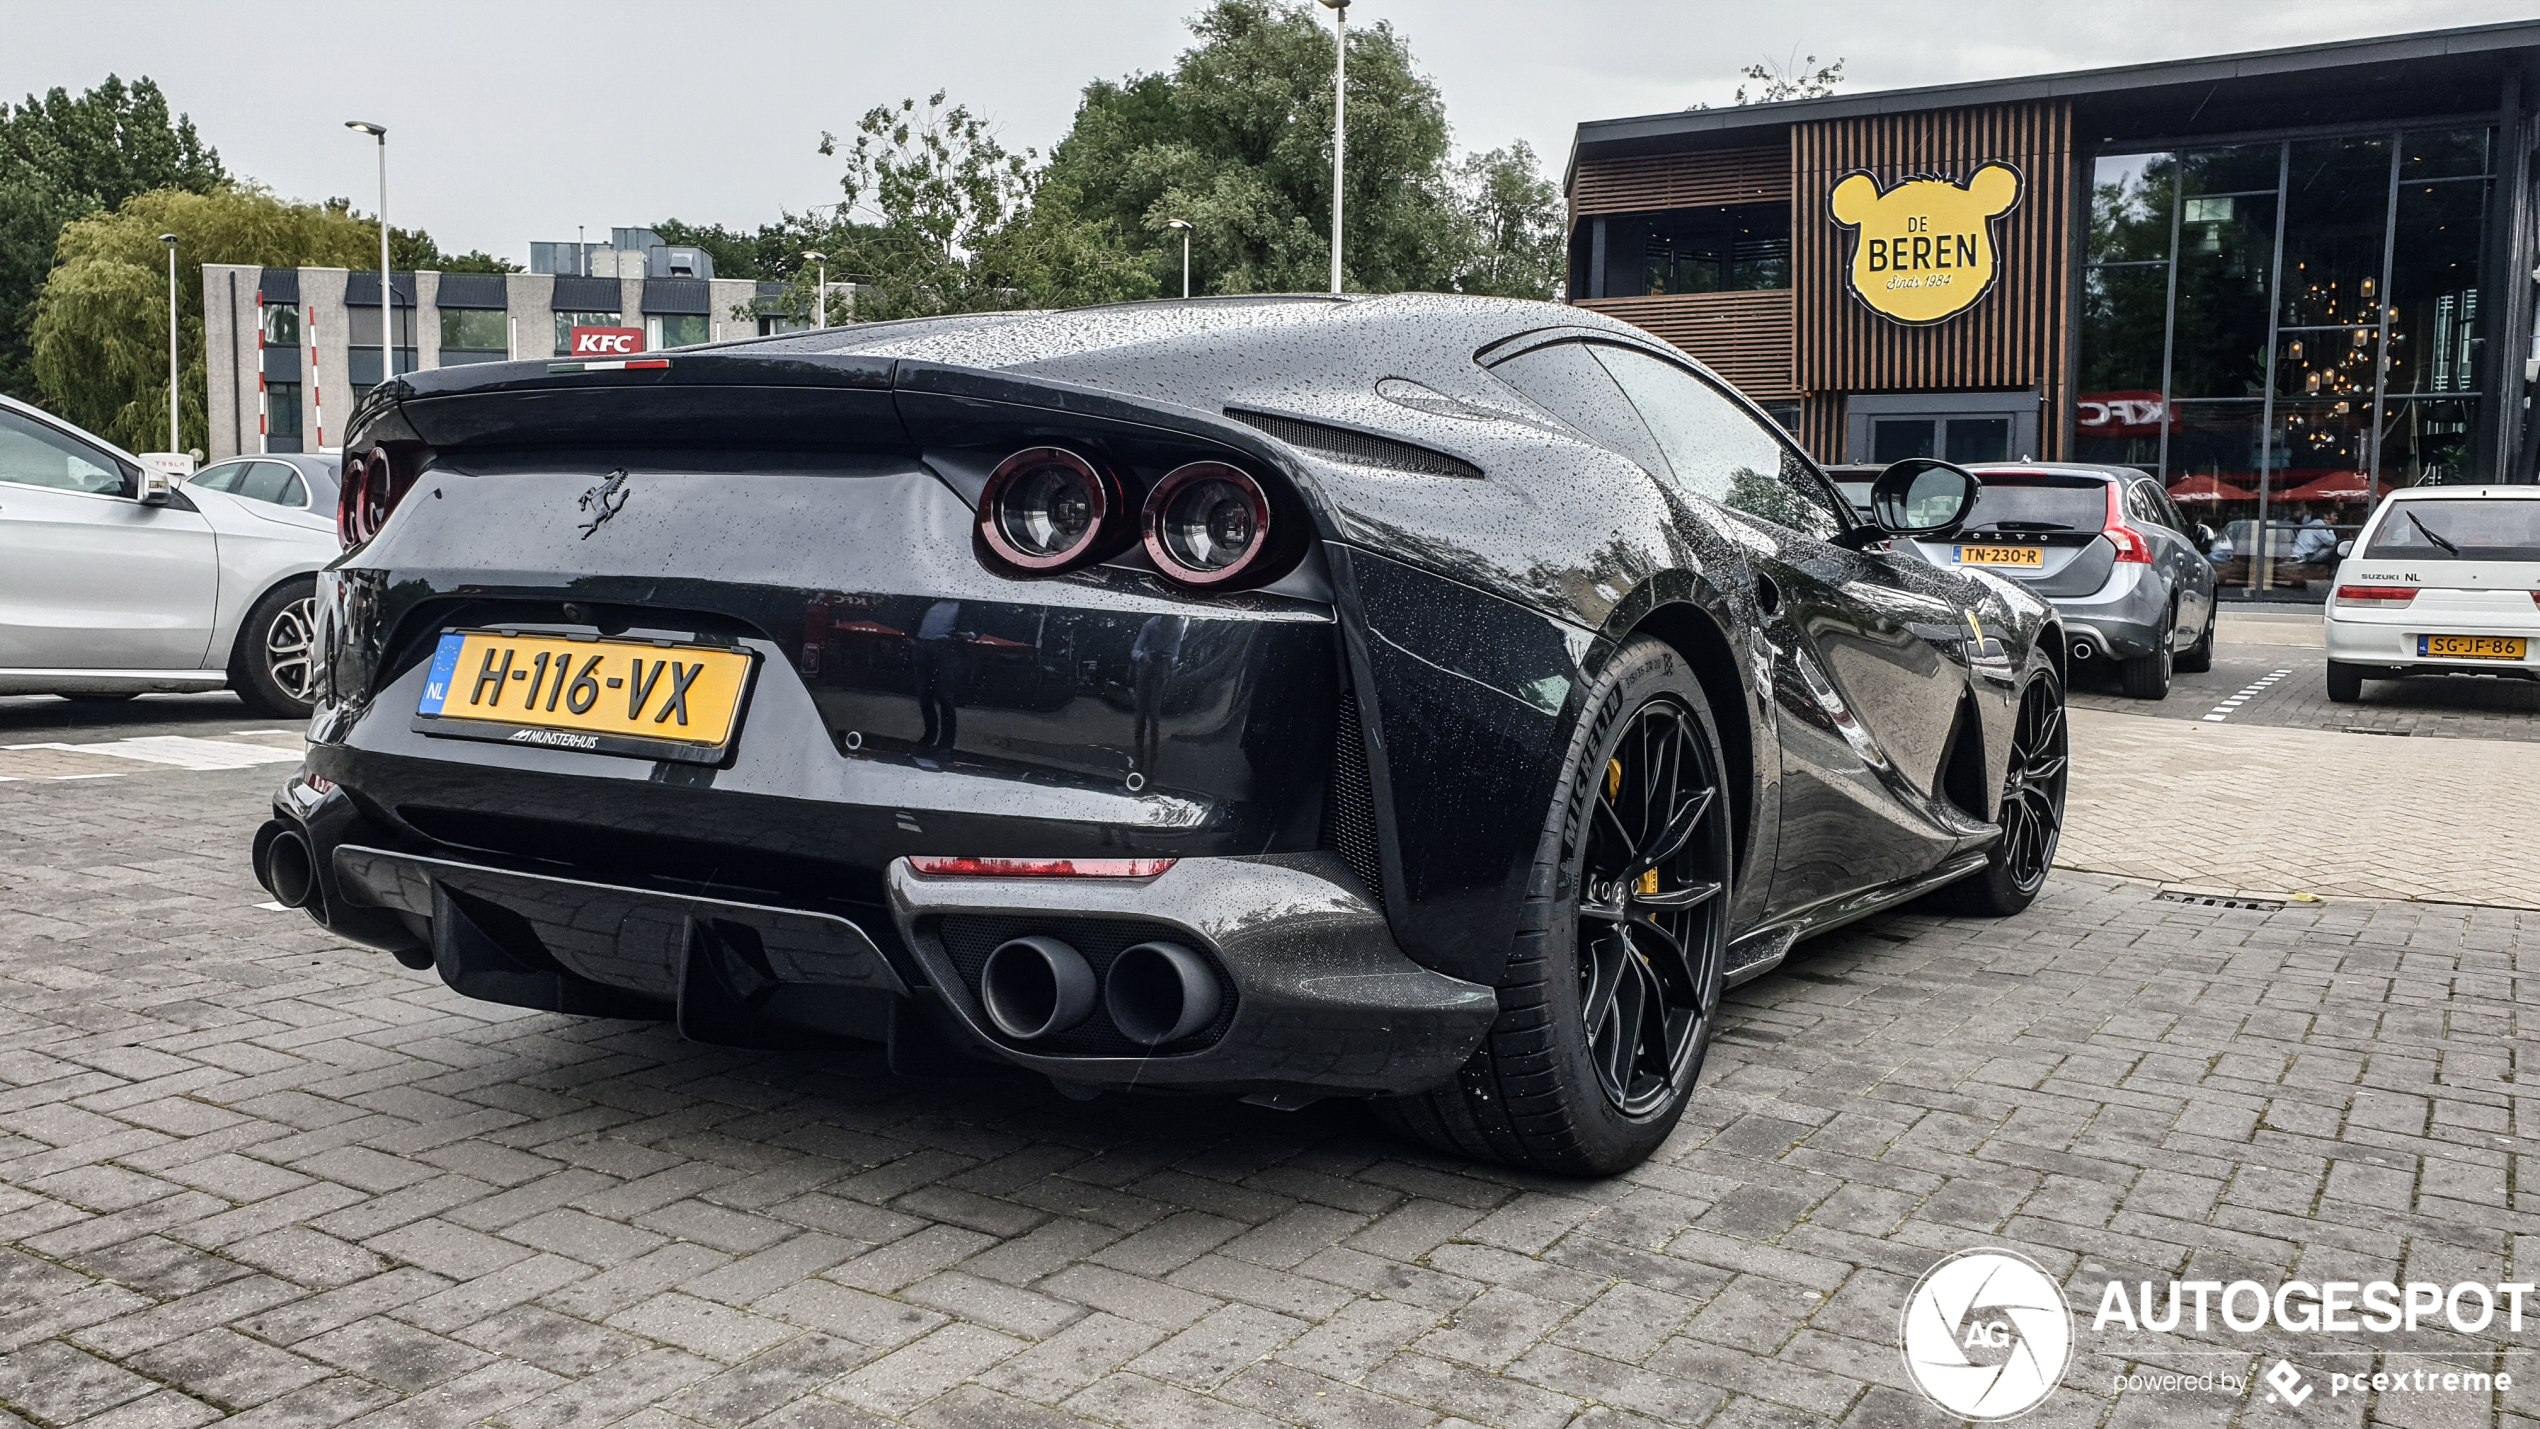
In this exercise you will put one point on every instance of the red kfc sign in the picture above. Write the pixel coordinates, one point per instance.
(2123, 414)
(607, 341)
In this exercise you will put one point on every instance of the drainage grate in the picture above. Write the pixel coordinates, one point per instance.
(2213, 900)
(2368, 729)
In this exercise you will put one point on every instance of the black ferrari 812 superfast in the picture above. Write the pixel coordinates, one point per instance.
(1430, 699)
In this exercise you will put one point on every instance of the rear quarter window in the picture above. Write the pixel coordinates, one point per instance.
(2503, 528)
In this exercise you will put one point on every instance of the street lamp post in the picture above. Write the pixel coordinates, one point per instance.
(1340, 110)
(1184, 225)
(820, 302)
(175, 441)
(387, 324)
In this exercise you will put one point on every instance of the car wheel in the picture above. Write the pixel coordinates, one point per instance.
(2196, 659)
(275, 664)
(2032, 810)
(1611, 992)
(2345, 682)
(2147, 677)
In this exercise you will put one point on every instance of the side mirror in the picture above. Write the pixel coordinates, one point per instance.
(1922, 497)
(2345, 548)
(156, 482)
(2205, 535)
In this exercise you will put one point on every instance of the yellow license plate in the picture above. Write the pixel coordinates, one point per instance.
(2001, 555)
(653, 699)
(2470, 647)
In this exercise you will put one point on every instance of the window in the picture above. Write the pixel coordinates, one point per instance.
(224, 477)
(274, 481)
(1895, 439)
(1565, 381)
(282, 325)
(282, 410)
(771, 324)
(1979, 439)
(32, 454)
(2319, 311)
(361, 326)
(1723, 249)
(475, 329)
(567, 322)
(2475, 529)
(1716, 449)
(675, 330)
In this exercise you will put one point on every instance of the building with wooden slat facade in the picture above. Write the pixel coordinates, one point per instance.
(2284, 281)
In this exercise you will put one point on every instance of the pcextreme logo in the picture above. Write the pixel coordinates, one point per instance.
(1986, 1334)
(1924, 251)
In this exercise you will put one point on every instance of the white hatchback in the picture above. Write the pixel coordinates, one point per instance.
(115, 582)
(2442, 580)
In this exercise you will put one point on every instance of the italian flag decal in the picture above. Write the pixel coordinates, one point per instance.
(627, 364)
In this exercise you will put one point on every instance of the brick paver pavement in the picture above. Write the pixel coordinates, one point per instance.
(246, 1171)
(2273, 810)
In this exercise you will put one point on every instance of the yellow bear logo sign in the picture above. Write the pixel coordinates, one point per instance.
(1925, 250)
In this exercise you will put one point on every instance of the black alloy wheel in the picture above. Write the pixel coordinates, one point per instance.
(1612, 990)
(2031, 813)
(274, 668)
(1649, 893)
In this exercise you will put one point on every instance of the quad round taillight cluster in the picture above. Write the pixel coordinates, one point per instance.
(373, 483)
(1206, 525)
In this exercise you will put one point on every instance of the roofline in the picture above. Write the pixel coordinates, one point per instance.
(2422, 44)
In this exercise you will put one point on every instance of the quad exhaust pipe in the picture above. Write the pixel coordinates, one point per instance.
(1036, 986)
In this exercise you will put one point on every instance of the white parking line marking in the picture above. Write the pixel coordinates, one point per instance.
(2225, 710)
(275, 907)
(182, 751)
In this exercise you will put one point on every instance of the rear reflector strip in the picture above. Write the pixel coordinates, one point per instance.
(938, 866)
(628, 364)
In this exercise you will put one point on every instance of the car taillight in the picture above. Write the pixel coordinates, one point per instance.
(1207, 525)
(2129, 542)
(1046, 509)
(372, 485)
(2381, 594)
(942, 866)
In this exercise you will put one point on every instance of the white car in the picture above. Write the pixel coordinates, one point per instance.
(2443, 580)
(115, 582)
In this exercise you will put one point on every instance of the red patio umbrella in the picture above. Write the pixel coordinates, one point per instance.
(2207, 488)
(2338, 486)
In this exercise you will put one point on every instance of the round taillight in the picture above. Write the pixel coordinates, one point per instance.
(1047, 509)
(348, 503)
(1207, 524)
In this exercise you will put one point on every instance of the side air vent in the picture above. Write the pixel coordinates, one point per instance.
(1349, 813)
(1357, 448)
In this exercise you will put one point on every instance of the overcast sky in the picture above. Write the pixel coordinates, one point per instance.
(515, 122)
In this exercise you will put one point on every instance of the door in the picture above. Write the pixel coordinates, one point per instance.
(1870, 671)
(91, 579)
(2182, 565)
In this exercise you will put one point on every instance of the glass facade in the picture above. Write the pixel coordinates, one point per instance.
(2286, 331)
(675, 330)
(567, 322)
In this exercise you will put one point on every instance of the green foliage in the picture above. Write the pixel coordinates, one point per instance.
(412, 249)
(736, 254)
(1791, 79)
(62, 157)
(100, 330)
(939, 216)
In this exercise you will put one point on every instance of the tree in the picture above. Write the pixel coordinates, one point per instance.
(100, 331)
(1791, 80)
(1237, 139)
(412, 250)
(940, 217)
(1511, 230)
(63, 157)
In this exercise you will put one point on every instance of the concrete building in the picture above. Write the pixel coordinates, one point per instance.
(290, 350)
